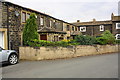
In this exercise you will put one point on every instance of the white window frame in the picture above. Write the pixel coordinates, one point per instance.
(82, 28)
(117, 37)
(117, 26)
(102, 28)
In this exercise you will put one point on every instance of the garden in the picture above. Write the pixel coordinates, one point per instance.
(30, 37)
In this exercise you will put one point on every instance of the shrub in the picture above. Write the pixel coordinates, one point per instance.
(106, 38)
(118, 41)
(30, 30)
(39, 43)
(85, 40)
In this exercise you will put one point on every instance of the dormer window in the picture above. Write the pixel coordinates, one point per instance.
(82, 29)
(101, 27)
(117, 25)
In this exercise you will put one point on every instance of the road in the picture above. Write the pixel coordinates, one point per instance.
(99, 66)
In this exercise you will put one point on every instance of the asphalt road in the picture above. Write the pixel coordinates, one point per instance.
(99, 66)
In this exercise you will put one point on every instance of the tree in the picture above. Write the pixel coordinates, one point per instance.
(30, 30)
(106, 38)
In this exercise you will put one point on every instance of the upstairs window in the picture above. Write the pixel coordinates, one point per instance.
(50, 23)
(101, 27)
(42, 21)
(76, 28)
(82, 29)
(28, 16)
(68, 28)
(23, 17)
(117, 36)
(117, 25)
(73, 29)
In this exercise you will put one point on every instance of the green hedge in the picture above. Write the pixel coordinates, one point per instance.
(39, 43)
(85, 40)
(106, 38)
(117, 41)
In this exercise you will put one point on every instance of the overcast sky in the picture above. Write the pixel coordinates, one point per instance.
(73, 10)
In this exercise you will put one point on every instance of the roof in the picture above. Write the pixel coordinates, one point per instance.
(75, 33)
(34, 11)
(50, 30)
(116, 18)
(93, 23)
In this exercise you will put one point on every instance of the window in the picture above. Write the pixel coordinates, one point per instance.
(101, 27)
(42, 21)
(23, 16)
(68, 27)
(50, 23)
(83, 29)
(28, 16)
(117, 25)
(76, 29)
(118, 36)
(72, 28)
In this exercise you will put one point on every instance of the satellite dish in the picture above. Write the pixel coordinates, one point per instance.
(17, 13)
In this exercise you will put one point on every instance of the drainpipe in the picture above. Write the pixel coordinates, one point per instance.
(8, 26)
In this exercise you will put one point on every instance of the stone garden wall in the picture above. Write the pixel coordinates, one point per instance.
(44, 53)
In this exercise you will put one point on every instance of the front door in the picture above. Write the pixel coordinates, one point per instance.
(43, 37)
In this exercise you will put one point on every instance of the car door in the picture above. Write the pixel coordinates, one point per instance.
(0, 55)
(4, 55)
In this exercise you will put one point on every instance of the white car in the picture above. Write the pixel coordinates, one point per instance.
(9, 56)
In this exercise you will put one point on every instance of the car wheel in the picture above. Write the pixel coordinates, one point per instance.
(13, 59)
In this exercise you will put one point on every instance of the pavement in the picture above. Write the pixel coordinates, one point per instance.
(98, 66)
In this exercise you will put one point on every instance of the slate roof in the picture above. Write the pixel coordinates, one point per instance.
(93, 23)
(34, 11)
(50, 30)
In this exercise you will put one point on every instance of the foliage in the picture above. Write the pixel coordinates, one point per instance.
(106, 38)
(85, 40)
(118, 41)
(40, 43)
(30, 30)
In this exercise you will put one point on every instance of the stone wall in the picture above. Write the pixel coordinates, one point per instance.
(0, 14)
(44, 53)
(94, 30)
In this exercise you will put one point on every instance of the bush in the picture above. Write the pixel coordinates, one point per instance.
(85, 40)
(117, 41)
(106, 38)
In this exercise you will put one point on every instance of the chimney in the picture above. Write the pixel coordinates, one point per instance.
(78, 20)
(94, 20)
(112, 16)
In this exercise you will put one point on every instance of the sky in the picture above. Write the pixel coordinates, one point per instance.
(73, 10)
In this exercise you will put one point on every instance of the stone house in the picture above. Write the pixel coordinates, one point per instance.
(96, 28)
(13, 18)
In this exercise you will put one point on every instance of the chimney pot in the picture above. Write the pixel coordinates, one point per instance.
(78, 20)
(94, 20)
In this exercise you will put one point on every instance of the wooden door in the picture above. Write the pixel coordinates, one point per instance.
(43, 37)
